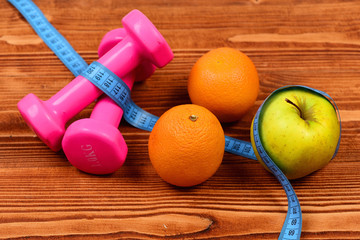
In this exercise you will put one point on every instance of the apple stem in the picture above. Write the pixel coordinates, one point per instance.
(289, 101)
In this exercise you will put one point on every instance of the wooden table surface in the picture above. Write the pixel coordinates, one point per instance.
(306, 42)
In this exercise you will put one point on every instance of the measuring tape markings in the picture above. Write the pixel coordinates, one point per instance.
(53, 39)
(115, 88)
(239, 147)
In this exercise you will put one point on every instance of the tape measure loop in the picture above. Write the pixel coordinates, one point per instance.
(293, 221)
(319, 92)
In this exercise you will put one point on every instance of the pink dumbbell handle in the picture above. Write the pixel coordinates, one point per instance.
(106, 110)
(80, 92)
(74, 97)
(95, 145)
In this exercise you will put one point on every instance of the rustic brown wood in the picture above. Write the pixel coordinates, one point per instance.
(313, 43)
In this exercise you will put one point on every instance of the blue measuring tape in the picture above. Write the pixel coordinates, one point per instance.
(53, 39)
(116, 89)
(293, 221)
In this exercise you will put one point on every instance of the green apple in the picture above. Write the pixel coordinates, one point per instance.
(299, 129)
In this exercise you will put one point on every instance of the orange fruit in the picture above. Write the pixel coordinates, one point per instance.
(226, 82)
(186, 145)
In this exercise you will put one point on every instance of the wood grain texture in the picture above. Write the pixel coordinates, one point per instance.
(313, 43)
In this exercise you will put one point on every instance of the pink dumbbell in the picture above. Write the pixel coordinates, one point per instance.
(95, 145)
(110, 40)
(143, 42)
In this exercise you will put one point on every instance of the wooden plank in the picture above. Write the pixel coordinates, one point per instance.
(313, 43)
